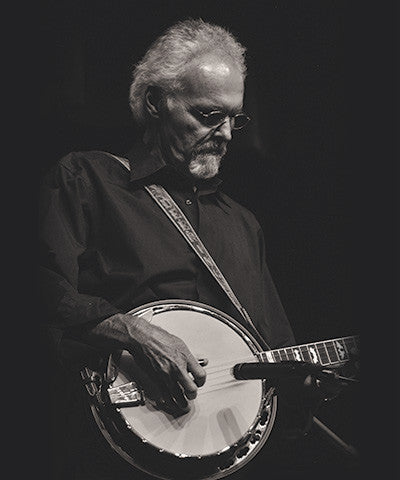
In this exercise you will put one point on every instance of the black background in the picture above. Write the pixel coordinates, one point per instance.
(289, 166)
(309, 165)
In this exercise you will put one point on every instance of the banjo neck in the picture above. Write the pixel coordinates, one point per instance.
(326, 352)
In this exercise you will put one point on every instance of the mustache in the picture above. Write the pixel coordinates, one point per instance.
(212, 146)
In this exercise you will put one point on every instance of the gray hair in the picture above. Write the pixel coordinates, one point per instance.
(166, 60)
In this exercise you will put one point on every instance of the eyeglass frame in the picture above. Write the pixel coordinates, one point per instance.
(204, 116)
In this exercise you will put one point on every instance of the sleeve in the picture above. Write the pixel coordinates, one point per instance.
(275, 328)
(67, 210)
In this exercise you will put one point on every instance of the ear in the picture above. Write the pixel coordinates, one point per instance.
(153, 98)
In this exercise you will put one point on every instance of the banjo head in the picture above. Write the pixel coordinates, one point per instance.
(228, 416)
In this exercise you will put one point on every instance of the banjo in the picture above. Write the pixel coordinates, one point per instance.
(229, 421)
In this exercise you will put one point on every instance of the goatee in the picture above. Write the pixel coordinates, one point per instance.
(206, 160)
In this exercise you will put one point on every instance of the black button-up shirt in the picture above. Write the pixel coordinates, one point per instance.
(107, 247)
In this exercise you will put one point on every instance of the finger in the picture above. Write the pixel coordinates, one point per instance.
(179, 399)
(198, 372)
(203, 362)
(173, 397)
(170, 398)
(156, 388)
(189, 387)
(309, 381)
(175, 388)
(168, 405)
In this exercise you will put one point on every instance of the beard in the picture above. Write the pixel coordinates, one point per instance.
(205, 160)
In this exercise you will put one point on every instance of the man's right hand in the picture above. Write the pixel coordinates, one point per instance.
(170, 371)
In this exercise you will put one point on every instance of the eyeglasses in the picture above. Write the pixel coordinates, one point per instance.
(217, 117)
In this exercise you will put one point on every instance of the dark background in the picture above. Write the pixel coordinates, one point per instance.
(289, 166)
(297, 165)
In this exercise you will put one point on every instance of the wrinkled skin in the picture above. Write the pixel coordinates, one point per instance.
(176, 133)
(169, 373)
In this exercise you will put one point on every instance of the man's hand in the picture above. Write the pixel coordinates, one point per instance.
(169, 372)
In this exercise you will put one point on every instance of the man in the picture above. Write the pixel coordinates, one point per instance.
(107, 247)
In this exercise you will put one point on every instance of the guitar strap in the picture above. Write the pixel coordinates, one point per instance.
(178, 218)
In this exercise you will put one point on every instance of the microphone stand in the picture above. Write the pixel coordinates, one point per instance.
(290, 368)
(335, 439)
(348, 449)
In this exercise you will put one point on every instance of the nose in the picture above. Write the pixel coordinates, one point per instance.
(224, 130)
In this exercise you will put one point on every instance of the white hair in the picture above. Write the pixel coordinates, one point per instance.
(167, 59)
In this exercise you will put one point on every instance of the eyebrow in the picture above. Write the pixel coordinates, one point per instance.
(216, 108)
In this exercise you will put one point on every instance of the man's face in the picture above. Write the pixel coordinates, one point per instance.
(210, 84)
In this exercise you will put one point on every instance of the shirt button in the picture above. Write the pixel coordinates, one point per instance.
(188, 202)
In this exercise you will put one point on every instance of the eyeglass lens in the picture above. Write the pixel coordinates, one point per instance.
(237, 121)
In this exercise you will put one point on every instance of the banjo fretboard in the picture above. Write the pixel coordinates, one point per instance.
(327, 352)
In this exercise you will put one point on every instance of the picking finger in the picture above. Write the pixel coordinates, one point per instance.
(198, 372)
(168, 406)
(172, 400)
(179, 398)
(188, 385)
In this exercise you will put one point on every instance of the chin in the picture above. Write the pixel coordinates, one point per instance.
(205, 166)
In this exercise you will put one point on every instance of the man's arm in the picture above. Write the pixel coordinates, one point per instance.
(172, 372)
(68, 213)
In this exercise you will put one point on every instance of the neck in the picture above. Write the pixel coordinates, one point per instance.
(153, 142)
(152, 139)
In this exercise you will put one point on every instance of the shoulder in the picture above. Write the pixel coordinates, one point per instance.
(86, 161)
(90, 166)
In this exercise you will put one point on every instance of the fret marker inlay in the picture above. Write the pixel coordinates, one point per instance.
(297, 354)
(314, 356)
(341, 351)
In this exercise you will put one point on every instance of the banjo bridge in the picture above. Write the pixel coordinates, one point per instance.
(126, 395)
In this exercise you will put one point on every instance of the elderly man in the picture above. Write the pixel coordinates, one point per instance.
(107, 247)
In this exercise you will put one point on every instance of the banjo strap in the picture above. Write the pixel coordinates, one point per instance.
(178, 218)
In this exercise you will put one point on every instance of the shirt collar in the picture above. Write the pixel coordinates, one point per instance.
(144, 165)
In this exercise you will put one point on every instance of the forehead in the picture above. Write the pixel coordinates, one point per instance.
(215, 81)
